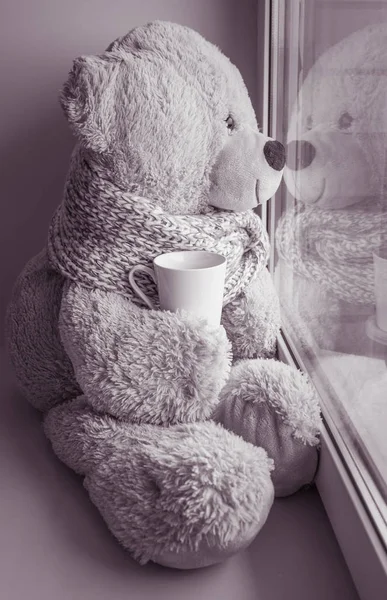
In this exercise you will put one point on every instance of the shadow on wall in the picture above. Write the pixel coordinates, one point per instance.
(34, 166)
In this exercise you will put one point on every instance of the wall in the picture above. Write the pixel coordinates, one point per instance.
(38, 41)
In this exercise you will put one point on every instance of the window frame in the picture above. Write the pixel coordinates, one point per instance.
(351, 509)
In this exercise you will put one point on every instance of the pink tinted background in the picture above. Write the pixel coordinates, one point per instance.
(38, 41)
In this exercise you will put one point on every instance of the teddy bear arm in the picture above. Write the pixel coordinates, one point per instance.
(252, 321)
(149, 366)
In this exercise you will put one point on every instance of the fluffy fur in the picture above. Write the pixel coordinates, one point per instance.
(270, 392)
(256, 311)
(181, 104)
(147, 366)
(165, 490)
(150, 115)
(44, 371)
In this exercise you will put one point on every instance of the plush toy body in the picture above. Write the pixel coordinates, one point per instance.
(336, 170)
(143, 403)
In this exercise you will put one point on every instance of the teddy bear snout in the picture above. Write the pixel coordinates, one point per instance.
(275, 154)
(300, 154)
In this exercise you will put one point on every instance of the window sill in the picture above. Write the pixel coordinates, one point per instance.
(363, 550)
(360, 383)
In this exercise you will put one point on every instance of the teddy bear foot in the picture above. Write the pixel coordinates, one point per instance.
(207, 554)
(184, 496)
(274, 406)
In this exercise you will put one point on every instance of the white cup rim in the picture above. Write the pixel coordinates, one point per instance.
(161, 260)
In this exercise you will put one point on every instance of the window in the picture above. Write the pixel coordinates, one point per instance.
(327, 102)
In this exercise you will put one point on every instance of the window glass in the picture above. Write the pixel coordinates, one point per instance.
(328, 220)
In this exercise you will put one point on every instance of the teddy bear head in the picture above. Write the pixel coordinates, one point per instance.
(164, 114)
(337, 134)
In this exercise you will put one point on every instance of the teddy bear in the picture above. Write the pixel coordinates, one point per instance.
(174, 425)
(336, 169)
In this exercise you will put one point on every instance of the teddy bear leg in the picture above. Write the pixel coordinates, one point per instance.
(184, 496)
(274, 406)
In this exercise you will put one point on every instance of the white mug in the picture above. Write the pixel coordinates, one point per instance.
(191, 280)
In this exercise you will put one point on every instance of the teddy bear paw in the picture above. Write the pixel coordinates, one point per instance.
(274, 406)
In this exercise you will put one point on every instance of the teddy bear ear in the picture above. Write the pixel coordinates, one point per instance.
(82, 100)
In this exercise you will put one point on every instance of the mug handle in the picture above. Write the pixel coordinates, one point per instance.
(136, 289)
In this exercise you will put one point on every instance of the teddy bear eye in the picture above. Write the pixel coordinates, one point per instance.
(230, 123)
(345, 121)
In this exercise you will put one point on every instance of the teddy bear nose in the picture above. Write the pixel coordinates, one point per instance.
(300, 154)
(275, 154)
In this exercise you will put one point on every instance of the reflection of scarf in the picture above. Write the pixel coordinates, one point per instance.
(99, 232)
(334, 247)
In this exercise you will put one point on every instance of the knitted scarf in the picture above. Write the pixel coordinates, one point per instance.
(99, 232)
(334, 247)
